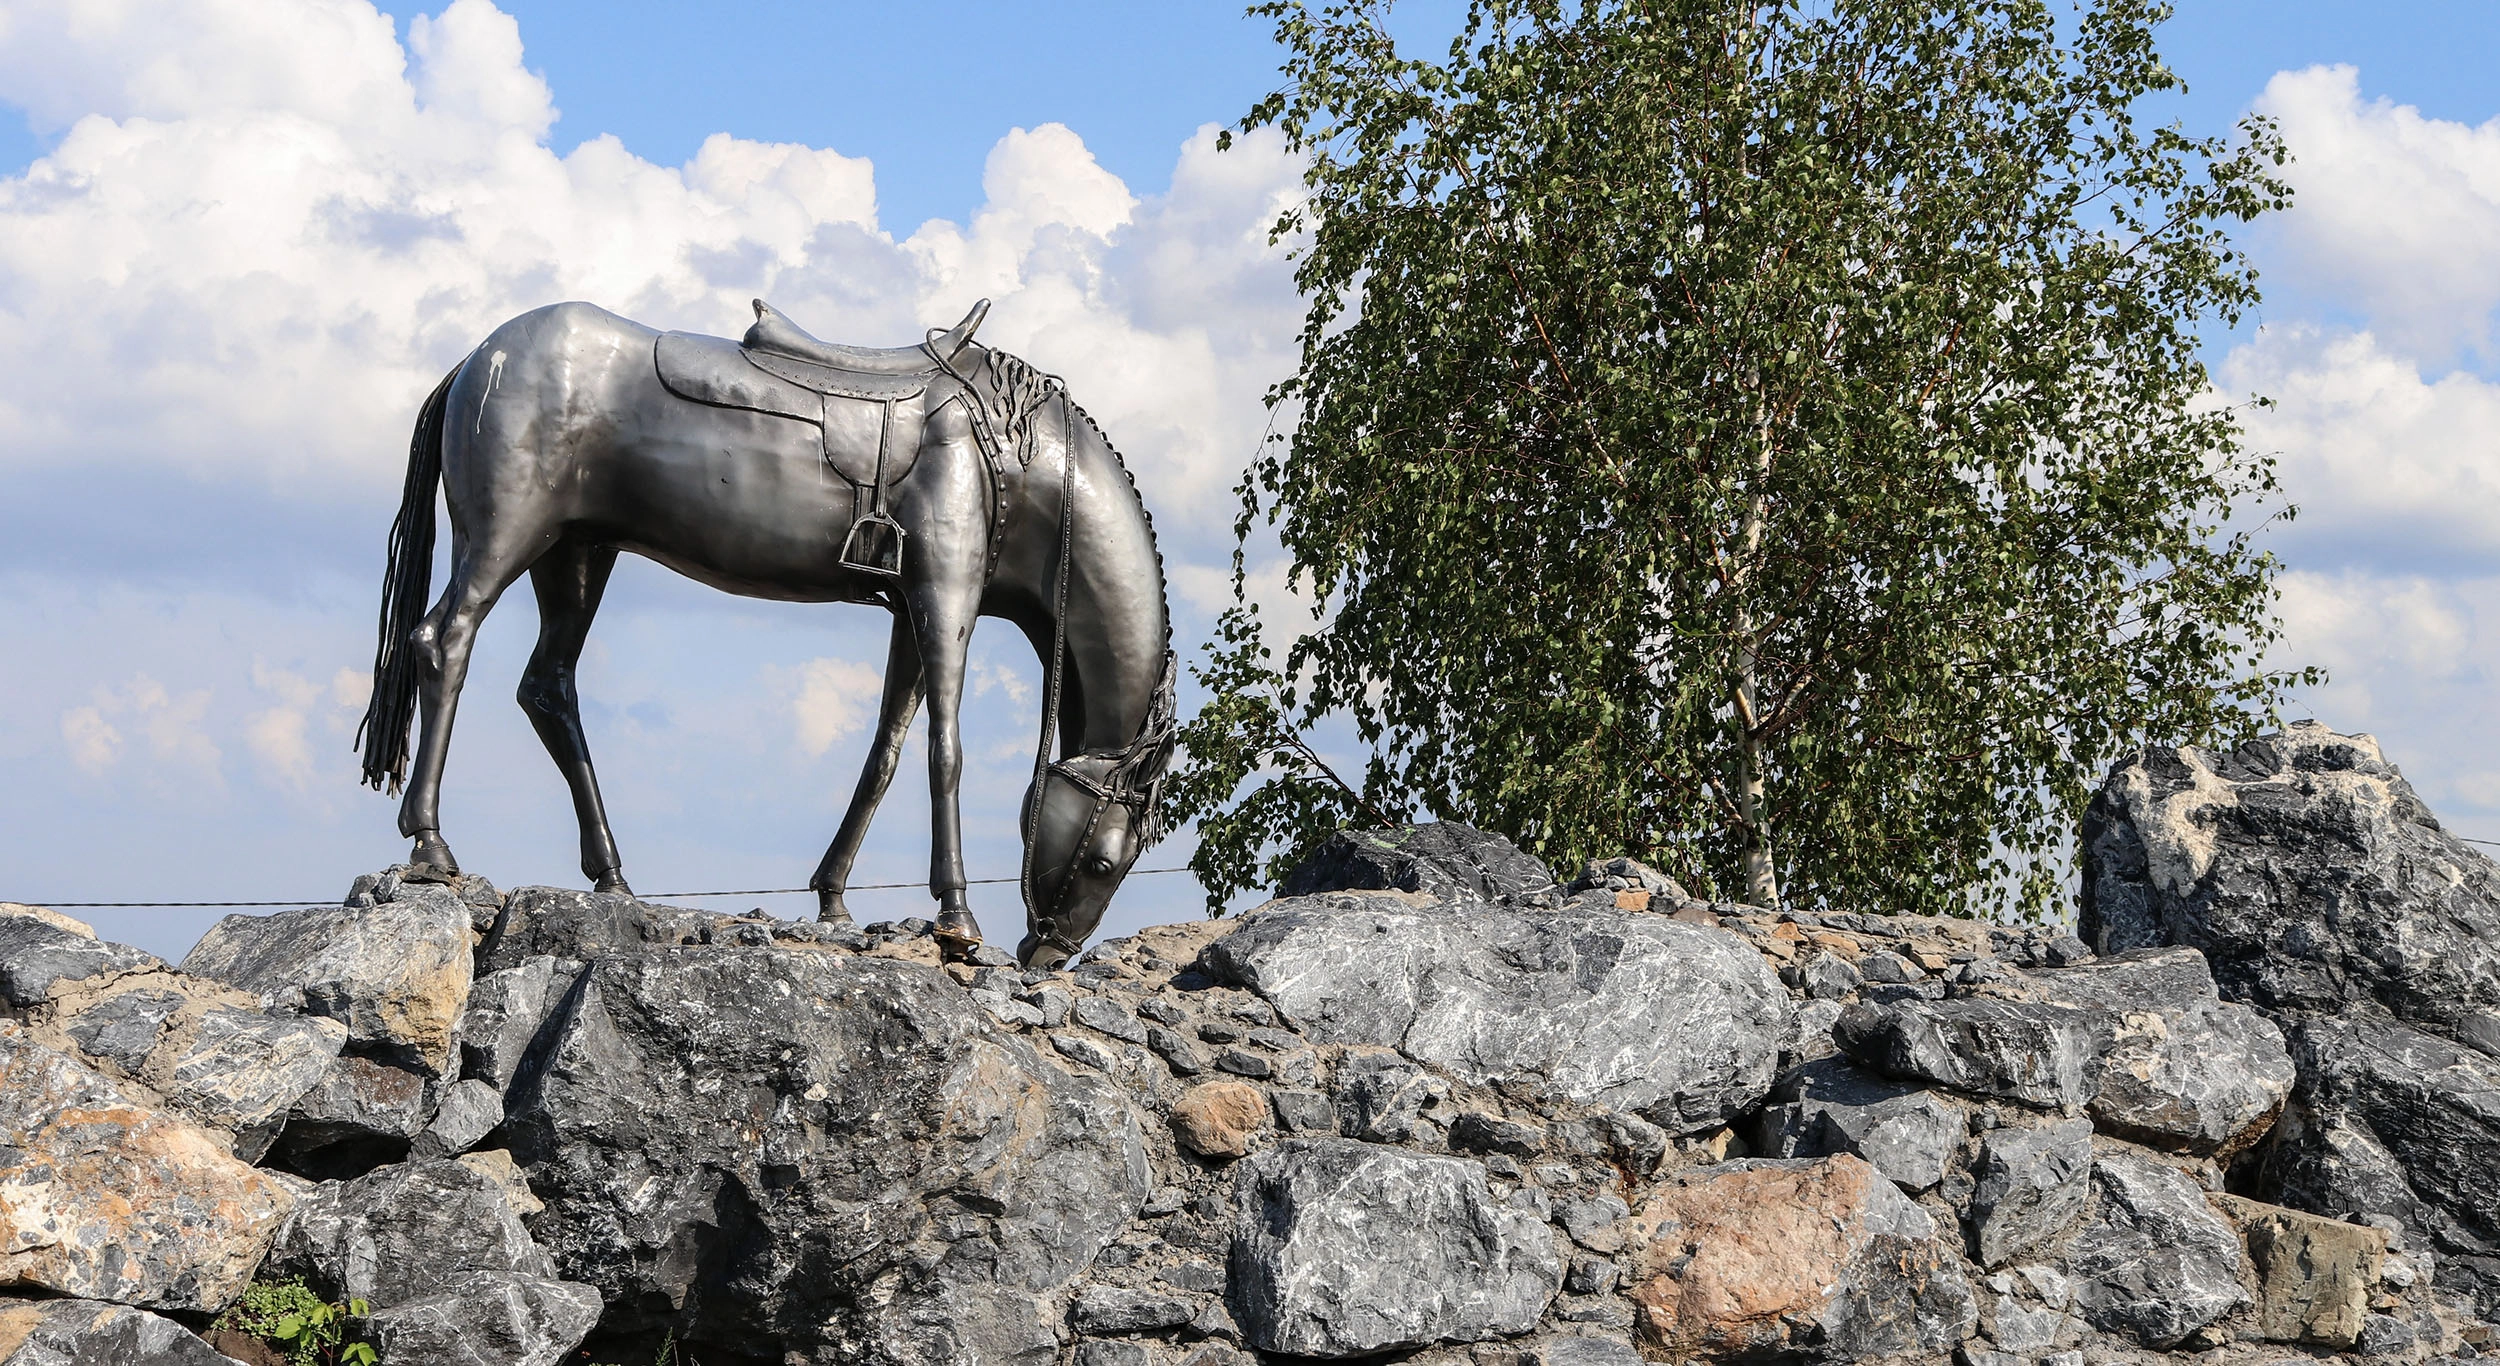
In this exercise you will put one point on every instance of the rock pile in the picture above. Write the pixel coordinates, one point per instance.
(1433, 1107)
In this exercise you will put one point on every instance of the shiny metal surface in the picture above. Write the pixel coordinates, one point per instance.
(571, 435)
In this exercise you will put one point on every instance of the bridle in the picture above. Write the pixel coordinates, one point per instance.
(1132, 776)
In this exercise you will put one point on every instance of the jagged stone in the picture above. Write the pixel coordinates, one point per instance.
(2395, 1096)
(243, 1072)
(396, 974)
(1345, 1248)
(104, 1198)
(2154, 1262)
(39, 956)
(842, 1155)
(2315, 1277)
(1679, 1024)
(485, 1318)
(504, 1013)
(123, 1029)
(2032, 1186)
(362, 1113)
(1828, 1107)
(1445, 860)
(2309, 873)
(2036, 1053)
(1114, 1309)
(404, 1232)
(468, 1112)
(2185, 1071)
(1386, 1099)
(1822, 1258)
(90, 1333)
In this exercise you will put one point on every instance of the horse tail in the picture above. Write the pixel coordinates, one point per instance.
(406, 585)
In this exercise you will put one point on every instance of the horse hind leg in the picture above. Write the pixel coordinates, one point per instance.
(569, 581)
(444, 639)
(885, 755)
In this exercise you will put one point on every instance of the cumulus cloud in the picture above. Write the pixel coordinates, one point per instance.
(2385, 461)
(269, 228)
(833, 699)
(2395, 214)
(171, 723)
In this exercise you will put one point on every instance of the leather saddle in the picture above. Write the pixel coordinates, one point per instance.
(869, 401)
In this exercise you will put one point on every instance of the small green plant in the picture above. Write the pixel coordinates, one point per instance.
(310, 1330)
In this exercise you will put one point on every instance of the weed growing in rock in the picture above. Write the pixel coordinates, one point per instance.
(309, 1330)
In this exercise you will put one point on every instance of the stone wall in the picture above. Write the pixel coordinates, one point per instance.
(1431, 1108)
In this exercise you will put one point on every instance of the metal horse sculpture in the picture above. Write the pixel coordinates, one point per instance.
(944, 482)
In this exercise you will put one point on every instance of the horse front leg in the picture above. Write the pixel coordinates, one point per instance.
(942, 619)
(885, 755)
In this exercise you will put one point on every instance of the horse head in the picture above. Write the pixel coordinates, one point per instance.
(1087, 818)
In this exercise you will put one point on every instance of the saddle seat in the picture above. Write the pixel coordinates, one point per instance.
(865, 400)
(773, 332)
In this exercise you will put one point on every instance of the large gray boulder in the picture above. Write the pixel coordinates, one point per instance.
(2031, 1187)
(1445, 860)
(2037, 1053)
(2155, 1262)
(2321, 890)
(2185, 1070)
(2309, 873)
(105, 1197)
(1346, 1248)
(1677, 1023)
(396, 974)
(93, 1333)
(2377, 1095)
(41, 955)
(485, 1319)
(843, 1155)
(404, 1232)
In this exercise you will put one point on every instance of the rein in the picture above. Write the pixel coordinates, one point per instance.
(1152, 746)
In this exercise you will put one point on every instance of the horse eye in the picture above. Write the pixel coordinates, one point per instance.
(1101, 864)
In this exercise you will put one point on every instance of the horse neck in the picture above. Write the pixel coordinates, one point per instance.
(1116, 623)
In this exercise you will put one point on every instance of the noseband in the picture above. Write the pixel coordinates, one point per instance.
(1133, 779)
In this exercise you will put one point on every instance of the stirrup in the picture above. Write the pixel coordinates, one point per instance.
(874, 546)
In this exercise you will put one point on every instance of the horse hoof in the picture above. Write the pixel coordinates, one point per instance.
(957, 933)
(613, 880)
(830, 910)
(431, 860)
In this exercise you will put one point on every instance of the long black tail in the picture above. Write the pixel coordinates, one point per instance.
(406, 584)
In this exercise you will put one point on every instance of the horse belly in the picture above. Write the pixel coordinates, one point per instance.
(741, 501)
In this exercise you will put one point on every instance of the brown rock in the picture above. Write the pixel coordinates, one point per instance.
(2315, 1276)
(1765, 1258)
(103, 1198)
(1219, 1118)
(1632, 899)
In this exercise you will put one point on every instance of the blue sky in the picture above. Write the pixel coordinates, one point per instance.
(242, 237)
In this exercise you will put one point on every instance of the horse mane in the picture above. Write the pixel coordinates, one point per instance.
(1013, 391)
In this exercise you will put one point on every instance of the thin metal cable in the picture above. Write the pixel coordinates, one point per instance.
(640, 896)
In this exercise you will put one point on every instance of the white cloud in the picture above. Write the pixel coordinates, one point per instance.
(2397, 213)
(2380, 458)
(94, 745)
(171, 723)
(280, 736)
(833, 700)
(269, 229)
